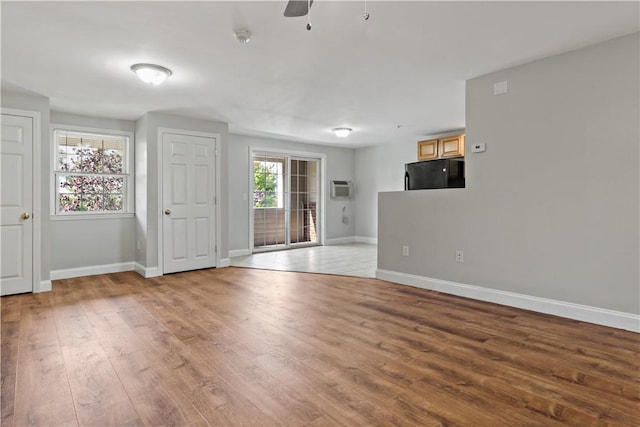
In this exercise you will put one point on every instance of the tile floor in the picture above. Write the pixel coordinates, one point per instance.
(352, 259)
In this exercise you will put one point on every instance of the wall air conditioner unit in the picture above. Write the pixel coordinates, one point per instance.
(340, 189)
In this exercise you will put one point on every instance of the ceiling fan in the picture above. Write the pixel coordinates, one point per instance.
(297, 8)
(303, 7)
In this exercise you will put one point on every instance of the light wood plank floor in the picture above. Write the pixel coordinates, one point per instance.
(244, 347)
(350, 259)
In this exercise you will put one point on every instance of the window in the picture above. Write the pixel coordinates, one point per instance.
(91, 172)
(268, 183)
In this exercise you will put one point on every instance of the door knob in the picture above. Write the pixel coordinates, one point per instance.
(25, 215)
(167, 211)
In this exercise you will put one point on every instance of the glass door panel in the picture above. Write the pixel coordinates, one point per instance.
(304, 201)
(269, 202)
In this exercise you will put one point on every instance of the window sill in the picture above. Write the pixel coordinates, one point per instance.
(83, 216)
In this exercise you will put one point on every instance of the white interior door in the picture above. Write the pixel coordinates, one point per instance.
(16, 205)
(188, 202)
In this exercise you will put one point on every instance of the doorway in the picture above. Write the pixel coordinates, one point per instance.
(285, 208)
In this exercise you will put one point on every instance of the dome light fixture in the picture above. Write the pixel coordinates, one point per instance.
(341, 132)
(151, 73)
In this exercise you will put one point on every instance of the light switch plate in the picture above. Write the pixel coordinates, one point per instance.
(500, 88)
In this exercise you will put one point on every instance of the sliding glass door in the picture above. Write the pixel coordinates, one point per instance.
(285, 201)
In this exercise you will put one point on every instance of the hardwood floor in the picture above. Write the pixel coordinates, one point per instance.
(243, 347)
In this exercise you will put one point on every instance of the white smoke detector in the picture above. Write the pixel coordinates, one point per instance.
(243, 36)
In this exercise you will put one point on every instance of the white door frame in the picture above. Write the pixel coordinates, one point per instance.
(216, 136)
(293, 153)
(37, 285)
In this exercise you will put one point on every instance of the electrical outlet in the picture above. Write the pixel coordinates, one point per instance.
(459, 256)
(405, 251)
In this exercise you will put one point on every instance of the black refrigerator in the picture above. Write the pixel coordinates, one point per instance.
(441, 173)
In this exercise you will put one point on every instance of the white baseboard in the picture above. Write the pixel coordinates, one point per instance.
(334, 241)
(146, 272)
(69, 273)
(225, 262)
(239, 252)
(585, 313)
(340, 240)
(43, 286)
(370, 240)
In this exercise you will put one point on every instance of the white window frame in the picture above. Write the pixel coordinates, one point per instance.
(280, 184)
(128, 208)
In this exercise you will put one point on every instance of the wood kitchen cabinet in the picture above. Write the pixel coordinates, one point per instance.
(450, 146)
(428, 150)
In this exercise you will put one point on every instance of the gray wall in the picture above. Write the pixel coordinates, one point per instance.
(22, 100)
(339, 165)
(147, 198)
(381, 168)
(111, 240)
(551, 208)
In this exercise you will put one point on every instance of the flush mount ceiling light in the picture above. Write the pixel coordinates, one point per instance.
(341, 132)
(243, 36)
(151, 73)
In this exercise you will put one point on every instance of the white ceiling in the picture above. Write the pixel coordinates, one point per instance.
(406, 65)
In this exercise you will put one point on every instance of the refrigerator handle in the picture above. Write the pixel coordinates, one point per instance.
(406, 181)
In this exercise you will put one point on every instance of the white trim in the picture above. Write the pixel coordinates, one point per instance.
(224, 262)
(217, 211)
(69, 273)
(340, 240)
(585, 313)
(146, 272)
(239, 252)
(91, 130)
(36, 194)
(90, 216)
(322, 199)
(43, 286)
(140, 269)
(370, 240)
(250, 198)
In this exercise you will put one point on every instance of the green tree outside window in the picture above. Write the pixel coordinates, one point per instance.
(265, 184)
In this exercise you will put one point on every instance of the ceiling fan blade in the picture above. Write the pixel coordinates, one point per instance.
(297, 8)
